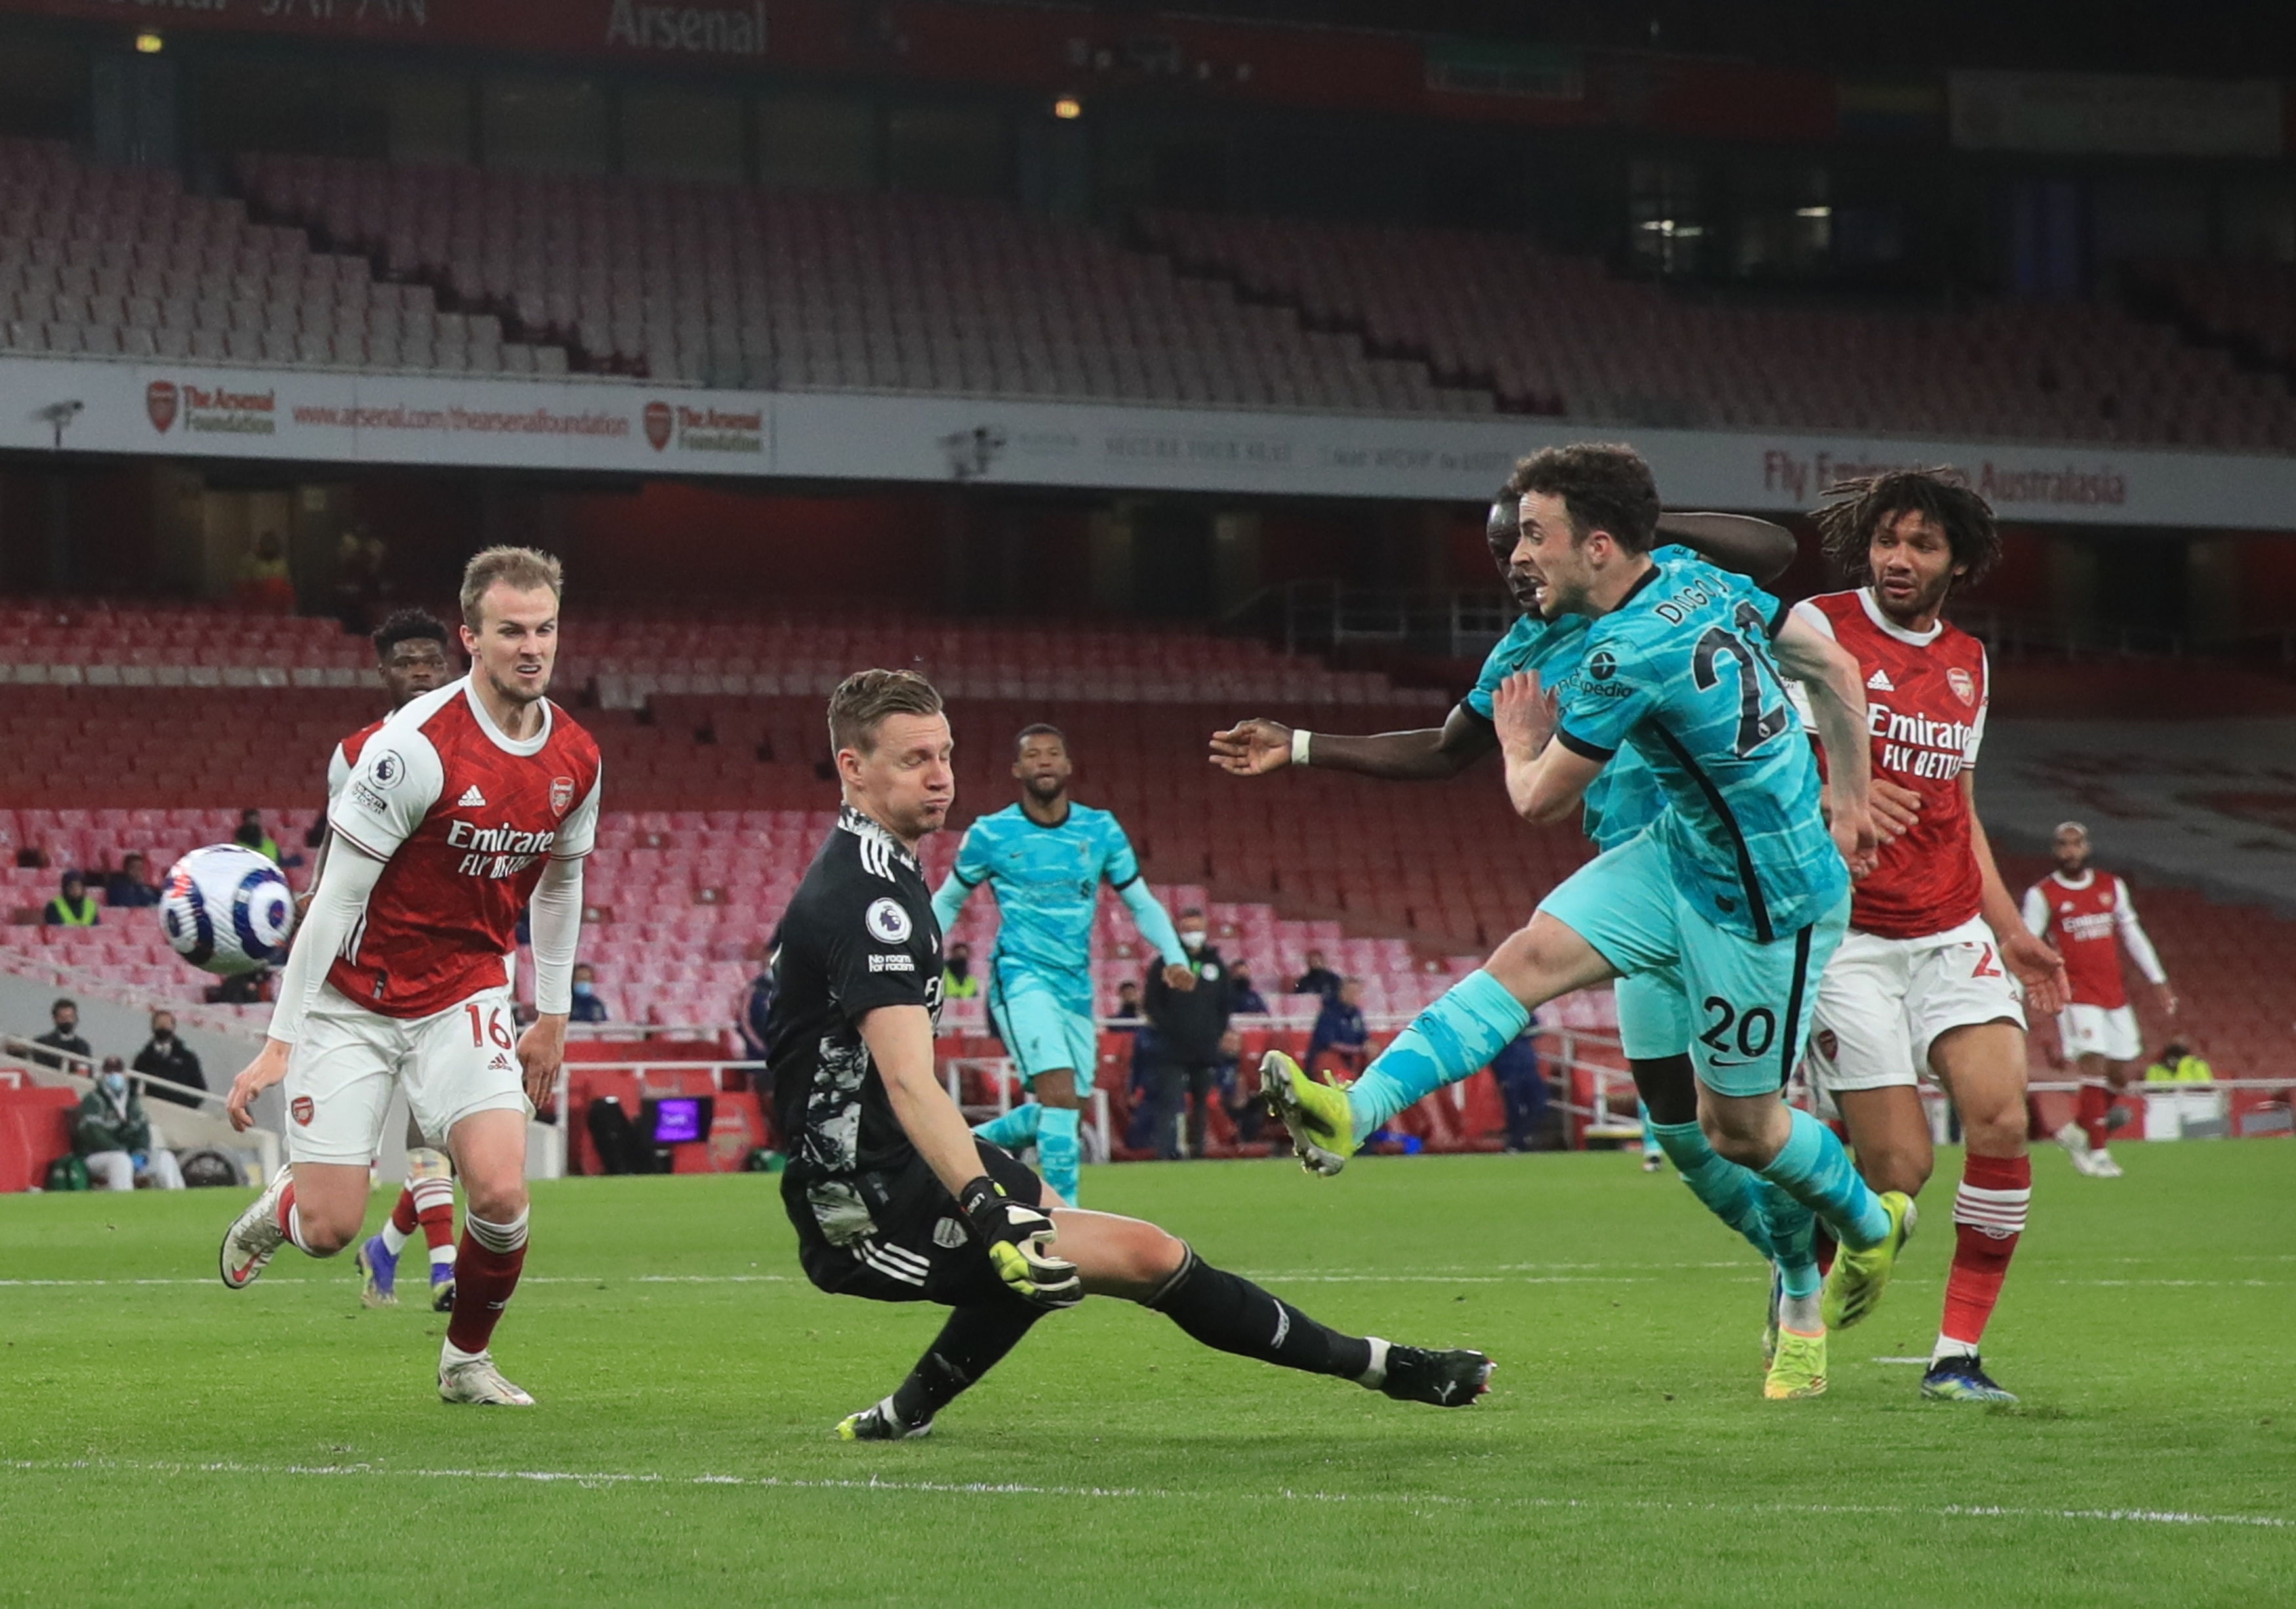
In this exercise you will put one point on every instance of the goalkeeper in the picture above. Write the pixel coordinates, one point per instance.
(893, 1198)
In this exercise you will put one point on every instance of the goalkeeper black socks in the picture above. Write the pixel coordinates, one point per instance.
(1228, 1311)
(968, 1345)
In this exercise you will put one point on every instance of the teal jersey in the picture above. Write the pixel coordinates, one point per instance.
(1681, 674)
(1047, 882)
(1625, 798)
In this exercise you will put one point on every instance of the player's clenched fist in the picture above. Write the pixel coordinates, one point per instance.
(1253, 748)
(1019, 1241)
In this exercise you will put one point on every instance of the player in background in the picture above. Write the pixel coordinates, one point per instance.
(1046, 856)
(473, 802)
(411, 658)
(892, 1198)
(1734, 897)
(2087, 916)
(1922, 982)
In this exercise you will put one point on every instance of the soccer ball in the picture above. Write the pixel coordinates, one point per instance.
(226, 909)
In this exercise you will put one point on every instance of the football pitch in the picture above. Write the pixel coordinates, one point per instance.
(167, 1441)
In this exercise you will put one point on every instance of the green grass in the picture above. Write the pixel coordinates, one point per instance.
(174, 1442)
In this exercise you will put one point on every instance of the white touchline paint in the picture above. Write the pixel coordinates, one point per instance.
(1925, 1362)
(2145, 1516)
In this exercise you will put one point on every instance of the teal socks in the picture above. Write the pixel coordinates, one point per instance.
(1057, 1151)
(1456, 1035)
(1016, 1130)
(1733, 1194)
(1813, 1168)
(1794, 1241)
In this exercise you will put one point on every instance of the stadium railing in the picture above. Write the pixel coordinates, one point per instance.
(200, 1127)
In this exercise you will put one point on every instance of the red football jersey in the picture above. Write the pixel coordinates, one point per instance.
(346, 756)
(463, 818)
(1925, 699)
(2082, 918)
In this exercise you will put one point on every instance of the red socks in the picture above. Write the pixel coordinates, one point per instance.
(2095, 1108)
(486, 1272)
(431, 1203)
(402, 1212)
(1988, 1215)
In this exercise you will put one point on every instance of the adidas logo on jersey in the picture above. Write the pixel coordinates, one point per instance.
(501, 1063)
(1880, 681)
(471, 796)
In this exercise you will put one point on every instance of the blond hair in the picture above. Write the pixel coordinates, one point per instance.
(521, 569)
(864, 699)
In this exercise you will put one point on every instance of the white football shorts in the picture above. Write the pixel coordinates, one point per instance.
(453, 1063)
(2100, 1030)
(1883, 1002)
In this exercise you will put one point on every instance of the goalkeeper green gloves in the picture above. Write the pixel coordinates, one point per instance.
(1019, 1239)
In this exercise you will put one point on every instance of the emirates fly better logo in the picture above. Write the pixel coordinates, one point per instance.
(159, 401)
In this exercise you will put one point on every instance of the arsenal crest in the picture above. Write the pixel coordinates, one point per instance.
(159, 402)
(561, 795)
(302, 1110)
(657, 425)
(1963, 685)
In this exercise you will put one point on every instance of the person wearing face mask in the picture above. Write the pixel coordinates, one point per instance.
(166, 1056)
(1183, 1070)
(63, 1035)
(589, 1005)
(114, 1138)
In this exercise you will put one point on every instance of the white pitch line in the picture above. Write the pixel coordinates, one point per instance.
(2144, 1516)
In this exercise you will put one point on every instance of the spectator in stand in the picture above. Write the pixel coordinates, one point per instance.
(131, 885)
(74, 907)
(166, 1056)
(2178, 1065)
(1318, 979)
(265, 581)
(1248, 1001)
(956, 980)
(1523, 1088)
(111, 1135)
(251, 835)
(1341, 1041)
(1189, 1025)
(63, 1035)
(1239, 1088)
(749, 1014)
(242, 988)
(589, 1005)
(1128, 1003)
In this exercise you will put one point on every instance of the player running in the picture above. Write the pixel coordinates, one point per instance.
(2088, 917)
(411, 657)
(1923, 983)
(893, 1199)
(473, 802)
(1736, 895)
(1655, 1026)
(1046, 856)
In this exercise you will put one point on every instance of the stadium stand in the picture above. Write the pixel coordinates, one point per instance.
(122, 262)
(1551, 334)
(2247, 305)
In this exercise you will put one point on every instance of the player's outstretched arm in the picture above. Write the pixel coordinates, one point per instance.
(336, 904)
(1155, 926)
(949, 898)
(2031, 961)
(1737, 543)
(1018, 1238)
(2140, 949)
(1837, 704)
(1255, 747)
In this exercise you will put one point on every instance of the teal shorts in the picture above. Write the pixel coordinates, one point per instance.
(1043, 1031)
(1748, 1004)
(1653, 1018)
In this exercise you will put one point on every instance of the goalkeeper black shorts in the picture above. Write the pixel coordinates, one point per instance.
(921, 1249)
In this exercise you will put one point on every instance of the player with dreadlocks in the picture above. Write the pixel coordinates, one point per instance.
(1922, 982)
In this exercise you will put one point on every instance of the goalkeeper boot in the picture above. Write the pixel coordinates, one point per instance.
(255, 1237)
(1322, 1127)
(1962, 1379)
(477, 1380)
(1452, 1379)
(442, 1287)
(1854, 1285)
(378, 1268)
(1798, 1367)
(882, 1422)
